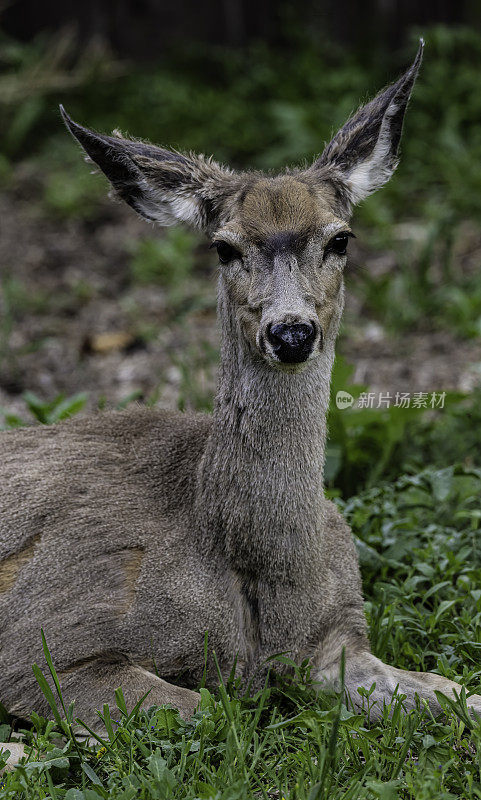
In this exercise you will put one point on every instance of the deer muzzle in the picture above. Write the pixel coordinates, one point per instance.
(292, 343)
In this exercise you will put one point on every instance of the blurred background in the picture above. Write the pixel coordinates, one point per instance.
(99, 309)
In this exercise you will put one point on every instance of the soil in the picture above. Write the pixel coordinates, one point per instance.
(73, 319)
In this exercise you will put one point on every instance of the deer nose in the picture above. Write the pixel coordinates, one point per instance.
(292, 343)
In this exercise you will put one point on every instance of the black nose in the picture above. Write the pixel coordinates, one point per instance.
(292, 343)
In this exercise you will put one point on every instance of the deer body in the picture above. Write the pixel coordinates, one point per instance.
(128, 536)
(125, 514)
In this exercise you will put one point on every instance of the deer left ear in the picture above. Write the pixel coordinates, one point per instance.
(363, 155)
(161, 185)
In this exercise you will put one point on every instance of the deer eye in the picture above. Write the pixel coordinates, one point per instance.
(226, 252)
(338, 244)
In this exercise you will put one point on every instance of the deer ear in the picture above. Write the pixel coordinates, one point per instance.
(363, 155)
(161, 185)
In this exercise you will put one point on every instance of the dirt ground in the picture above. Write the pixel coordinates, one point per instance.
(73, 320)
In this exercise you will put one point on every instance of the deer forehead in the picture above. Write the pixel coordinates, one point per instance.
(272, 211)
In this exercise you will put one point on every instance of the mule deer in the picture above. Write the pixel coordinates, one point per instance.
(128, 535)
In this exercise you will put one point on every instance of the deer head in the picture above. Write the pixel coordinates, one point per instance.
(282, 240)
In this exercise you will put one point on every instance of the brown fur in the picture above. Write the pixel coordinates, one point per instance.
(14, 563)
(278, 205)
(154, 528)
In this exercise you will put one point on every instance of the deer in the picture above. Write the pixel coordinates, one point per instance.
(128, 536)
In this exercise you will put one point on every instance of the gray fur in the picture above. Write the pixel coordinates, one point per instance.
(128, 535)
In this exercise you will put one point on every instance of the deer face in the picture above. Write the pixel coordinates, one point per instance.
(281, 240)
(282, 256)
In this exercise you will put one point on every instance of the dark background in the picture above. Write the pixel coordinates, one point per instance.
(145, 29)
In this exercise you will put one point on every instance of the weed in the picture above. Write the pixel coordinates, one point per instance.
(47, 412)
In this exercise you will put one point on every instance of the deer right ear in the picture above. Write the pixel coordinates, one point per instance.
(363, 155)
(161, 185)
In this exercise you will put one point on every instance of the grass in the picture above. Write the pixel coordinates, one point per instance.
(175, 262)
(60, 408)
(280, 743)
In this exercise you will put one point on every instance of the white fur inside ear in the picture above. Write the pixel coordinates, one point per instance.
(168, 208)
(185, 209)
(375, 171)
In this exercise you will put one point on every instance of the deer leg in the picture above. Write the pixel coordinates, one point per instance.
(93, 685)
(362, 669)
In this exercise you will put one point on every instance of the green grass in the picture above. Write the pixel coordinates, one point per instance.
(280, 743)
(69, 191)
(45, 412)
(420, 552)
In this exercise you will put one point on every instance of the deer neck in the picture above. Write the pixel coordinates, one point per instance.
(260, 482)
